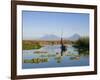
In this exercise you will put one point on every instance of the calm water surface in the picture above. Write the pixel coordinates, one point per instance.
(70, 58)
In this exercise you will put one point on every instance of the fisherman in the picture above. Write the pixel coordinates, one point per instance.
(63, 47)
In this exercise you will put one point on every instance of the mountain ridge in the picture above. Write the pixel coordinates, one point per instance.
(54, 37)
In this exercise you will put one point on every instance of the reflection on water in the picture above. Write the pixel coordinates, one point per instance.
(50, 56)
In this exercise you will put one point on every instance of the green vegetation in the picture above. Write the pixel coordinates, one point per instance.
(26, 46)
(28, 61)
(36, 60)
(82, 45)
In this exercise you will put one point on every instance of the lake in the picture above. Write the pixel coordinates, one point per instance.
(49, 56)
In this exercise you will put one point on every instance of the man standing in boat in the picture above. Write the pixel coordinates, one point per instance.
(63, 47)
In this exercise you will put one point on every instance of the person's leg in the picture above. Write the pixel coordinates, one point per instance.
(61, 53)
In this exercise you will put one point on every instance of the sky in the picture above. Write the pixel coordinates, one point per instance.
(37, 24)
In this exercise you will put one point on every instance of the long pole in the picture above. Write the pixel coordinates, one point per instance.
(61, 44)
(61, 37)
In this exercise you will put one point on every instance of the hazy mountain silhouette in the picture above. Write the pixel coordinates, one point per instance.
(74, 37)
(54, 37)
